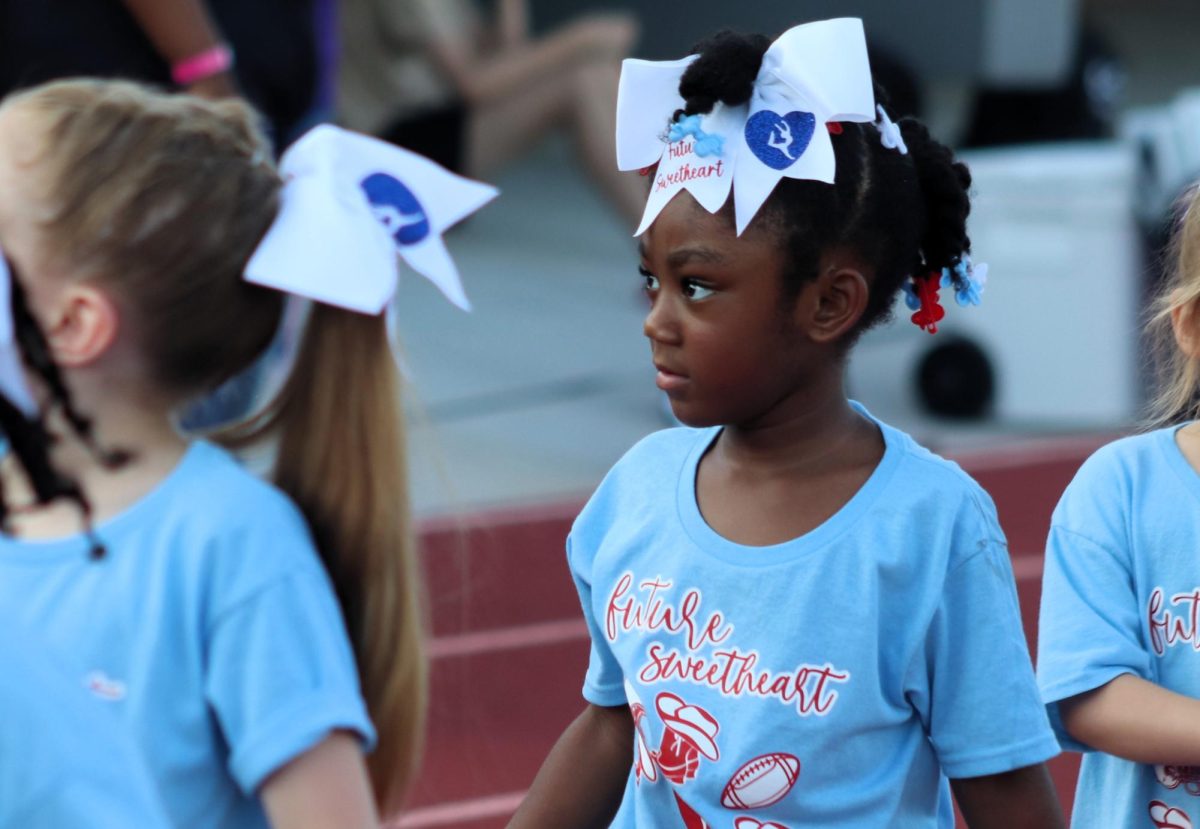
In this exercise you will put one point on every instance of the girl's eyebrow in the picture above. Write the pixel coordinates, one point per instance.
(682, 256)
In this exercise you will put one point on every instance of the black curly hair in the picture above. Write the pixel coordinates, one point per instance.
(905, 215)
(27, 437)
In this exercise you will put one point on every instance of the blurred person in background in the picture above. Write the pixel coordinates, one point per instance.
(473, 93)
(264, 50)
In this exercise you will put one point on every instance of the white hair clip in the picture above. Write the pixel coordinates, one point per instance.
(812, 75)
(350, 204)
(889, 132)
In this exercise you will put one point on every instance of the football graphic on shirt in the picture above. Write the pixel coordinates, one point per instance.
(761, 782)
(755, 823)
(1175, 776)
(1168, 817)
(689, 734)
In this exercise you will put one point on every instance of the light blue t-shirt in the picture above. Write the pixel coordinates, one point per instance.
(834, 680)
(65, 762)
(1121, 595)
(210, 628)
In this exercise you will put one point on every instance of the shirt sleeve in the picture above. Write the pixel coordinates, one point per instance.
(978, 696)
(281, 676)
(1089, 631)
(604, 683)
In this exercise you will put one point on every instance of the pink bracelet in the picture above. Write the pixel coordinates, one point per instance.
(210, 62)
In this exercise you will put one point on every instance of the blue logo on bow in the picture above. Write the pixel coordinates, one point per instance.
(397, 208)
(779, 140)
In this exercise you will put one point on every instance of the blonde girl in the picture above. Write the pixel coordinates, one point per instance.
(1119, 650)
(224, 619)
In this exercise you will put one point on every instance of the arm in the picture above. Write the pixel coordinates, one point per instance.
(326, 787)
(180, 29)
(1136, 719)
(581, 783)
(1019, 799)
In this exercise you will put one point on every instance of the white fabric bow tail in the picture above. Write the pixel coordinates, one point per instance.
(349, 205)
(813, 74)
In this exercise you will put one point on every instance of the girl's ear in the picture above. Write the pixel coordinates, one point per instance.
(82, 326)
(837, 299)
(1184, 323)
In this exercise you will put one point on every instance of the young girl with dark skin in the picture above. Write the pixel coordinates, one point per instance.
(791, 484)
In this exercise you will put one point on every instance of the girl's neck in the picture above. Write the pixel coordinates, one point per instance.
(144, 432)
(806, 432)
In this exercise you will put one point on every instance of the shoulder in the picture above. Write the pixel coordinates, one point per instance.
(940, 490)
(231, 530)
(232, 498)
(642, 483)
(1115, 466)
(663, 447)
(1097, 502)
(652, 465)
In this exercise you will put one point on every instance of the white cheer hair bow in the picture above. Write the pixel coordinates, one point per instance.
(813, 74)
(349, 205)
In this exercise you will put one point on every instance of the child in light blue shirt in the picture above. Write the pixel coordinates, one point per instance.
(798, 616)
(1119, 641)
(217, 616)
(213, 634)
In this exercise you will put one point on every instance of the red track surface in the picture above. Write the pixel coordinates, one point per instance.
(510, 646)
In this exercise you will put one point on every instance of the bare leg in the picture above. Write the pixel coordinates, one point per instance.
(581, 97)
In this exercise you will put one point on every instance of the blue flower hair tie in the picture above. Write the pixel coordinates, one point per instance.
(689, 125)
(967, 280)
(707, 143)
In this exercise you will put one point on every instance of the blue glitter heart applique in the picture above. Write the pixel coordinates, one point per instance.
(396, 208)
(779, 140)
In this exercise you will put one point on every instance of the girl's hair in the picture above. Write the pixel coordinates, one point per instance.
(1178, 373)
(903, 214)
(163, 199)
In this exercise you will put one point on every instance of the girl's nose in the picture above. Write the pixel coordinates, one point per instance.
(662, 324)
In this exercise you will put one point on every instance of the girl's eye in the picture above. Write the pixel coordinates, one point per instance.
(651, 281)
(694, 290)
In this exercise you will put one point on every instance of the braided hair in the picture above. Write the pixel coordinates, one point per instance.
(903, 214)
(28, 438)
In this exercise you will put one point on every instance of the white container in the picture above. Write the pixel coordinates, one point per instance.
(1060, 316)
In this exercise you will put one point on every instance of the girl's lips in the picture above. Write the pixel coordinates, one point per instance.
(669, 381)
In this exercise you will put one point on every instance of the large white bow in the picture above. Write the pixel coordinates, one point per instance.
(350, 204)
(811, 75)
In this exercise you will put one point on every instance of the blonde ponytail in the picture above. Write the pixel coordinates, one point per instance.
(341, 458)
